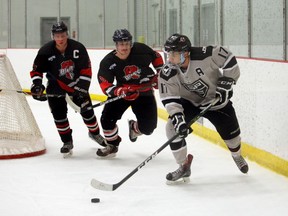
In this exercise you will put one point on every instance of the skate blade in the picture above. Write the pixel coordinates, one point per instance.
(184, 180)
(108, 156)
(68, 154)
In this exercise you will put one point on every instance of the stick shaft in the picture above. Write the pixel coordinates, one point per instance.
(29, 93)
(111, 187)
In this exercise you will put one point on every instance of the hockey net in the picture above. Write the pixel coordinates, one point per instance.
(20, 135)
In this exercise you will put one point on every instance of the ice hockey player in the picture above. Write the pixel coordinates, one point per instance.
(128, 65)
(68, 70)
(192, 79)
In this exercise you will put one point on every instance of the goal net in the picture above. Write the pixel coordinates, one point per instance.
(20, 135)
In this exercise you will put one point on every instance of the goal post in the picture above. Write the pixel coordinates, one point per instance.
(20, 135)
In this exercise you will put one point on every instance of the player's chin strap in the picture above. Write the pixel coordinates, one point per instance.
(81, 110)
(182, 58)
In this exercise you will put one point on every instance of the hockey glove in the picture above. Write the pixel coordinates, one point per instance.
(180, 125)
(37, 92)
(80, 96)
(224, 89)
(131, 94)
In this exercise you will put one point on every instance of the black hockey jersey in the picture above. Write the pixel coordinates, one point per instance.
(72, 68)
(135, 70)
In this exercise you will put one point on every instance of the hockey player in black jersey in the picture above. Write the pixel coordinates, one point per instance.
(192, 79)
(68, 71)
(128, 66)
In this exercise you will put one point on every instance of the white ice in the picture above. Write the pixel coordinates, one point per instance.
(49, 185)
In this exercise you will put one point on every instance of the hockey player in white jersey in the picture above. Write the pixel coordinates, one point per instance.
(192, 78)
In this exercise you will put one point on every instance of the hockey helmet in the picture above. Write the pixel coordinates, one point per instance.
(122, 35)
(177, 43)
(59, 27)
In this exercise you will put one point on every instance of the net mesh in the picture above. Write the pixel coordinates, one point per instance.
(20, 135)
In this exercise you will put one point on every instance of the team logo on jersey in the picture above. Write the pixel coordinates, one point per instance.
(67, 69)
(168, 71)
(131, 72)
(199, 87)
(112, 66)
(51, 58)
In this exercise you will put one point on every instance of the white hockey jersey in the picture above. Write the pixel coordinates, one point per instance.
(198, 83)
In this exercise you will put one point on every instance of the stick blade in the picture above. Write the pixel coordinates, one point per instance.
(72, 104)
(101, 186)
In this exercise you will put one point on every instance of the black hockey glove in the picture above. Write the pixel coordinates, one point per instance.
(180, 125)
(80, 96)
(37, 92)
(224, 89)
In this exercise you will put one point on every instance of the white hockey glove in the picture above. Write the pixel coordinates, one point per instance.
(180, 125)
(224, 89)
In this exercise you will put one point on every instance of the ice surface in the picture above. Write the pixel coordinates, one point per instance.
(49, 185)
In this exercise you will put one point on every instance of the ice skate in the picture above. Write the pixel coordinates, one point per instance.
(98, 138)
(182, 174)
(108, 152)
(241, 163)
(132, 133)
(66, 149)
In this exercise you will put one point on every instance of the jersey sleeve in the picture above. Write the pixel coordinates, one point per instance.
(106, 78)
(39, 67)
(156, 58)
(85, 69)
(169, 90)
(157, 62)
(224, 59)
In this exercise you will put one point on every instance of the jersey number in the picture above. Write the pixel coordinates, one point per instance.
(163, 88)
(222, 52)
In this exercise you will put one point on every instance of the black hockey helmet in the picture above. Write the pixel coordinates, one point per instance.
(59, 27)
(177, 43)
(122, 35)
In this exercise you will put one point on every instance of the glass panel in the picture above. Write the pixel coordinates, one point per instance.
(4, 19)
(116, 17)
(267, 29)
(140, 32)
(69, 14)
(154, 23)
(172, 17)
(286, 30)
(35, 11)
(207, 23)
(27, 24)
(91, 24)
(190, 21)
(235, 26)
(18, 17)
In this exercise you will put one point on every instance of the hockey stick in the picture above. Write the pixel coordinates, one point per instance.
(31, 94)
(111, 187)
(81, 110)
